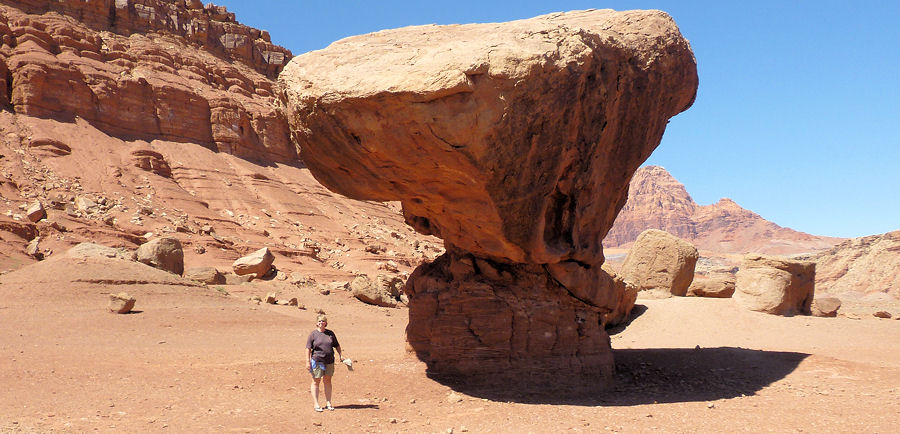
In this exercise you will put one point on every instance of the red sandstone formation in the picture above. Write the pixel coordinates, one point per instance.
(146, 69)
(657, 201)
(513, 142)
(132, 120)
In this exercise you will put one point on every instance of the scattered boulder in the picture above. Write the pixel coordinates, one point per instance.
(258, 263)
(207, 275)
(36, 212)
(272, 298)
(234, 279)
(882, 314)
(162, 253)
(34, 249)
(293, 302)
(660, 264)
(717, 286)
(255, 299)
(775, 285)
(85, 204)
(121, 303)
(825, 307)
(384, 291)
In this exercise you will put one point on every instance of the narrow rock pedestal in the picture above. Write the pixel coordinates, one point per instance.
(485, 320)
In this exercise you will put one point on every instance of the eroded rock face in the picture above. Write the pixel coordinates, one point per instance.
(146, 69)
(513, 142)
(775, 285)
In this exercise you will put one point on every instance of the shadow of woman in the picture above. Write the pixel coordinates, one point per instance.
(647, 376)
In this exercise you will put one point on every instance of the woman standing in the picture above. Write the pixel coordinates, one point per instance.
(320, 348)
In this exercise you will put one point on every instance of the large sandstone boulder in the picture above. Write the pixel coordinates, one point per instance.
(257, 263)
(775, 285)
(660, 264)
(163, 253)
(826, 307)
(383, 291)
(514, 142)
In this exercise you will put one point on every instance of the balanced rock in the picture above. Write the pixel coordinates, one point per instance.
(207, 275)
(257, 263)
(775, 285)
(825, 307)
(660, 264)
(514, 142)
(163, 253)
(716, 286)
(121, 303)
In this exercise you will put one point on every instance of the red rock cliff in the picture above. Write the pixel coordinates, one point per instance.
(146, 69)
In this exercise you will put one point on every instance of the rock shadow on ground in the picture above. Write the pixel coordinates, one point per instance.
(648, 376)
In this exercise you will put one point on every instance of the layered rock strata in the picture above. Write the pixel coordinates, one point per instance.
(147, 69)
(513, 142)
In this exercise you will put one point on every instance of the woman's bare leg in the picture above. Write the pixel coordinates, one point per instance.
(314, 390)
(327, 380)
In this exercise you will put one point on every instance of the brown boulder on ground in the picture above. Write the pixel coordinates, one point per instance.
(163, 253)
(882, 314)
(775, 285)
(717, 286)
(660, 264)
(121, 303)
(514, 142)
(258, 263)
(825, 307)
(384, 291)
(207, 275)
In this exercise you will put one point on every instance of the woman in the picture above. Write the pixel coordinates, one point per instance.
(320, 348)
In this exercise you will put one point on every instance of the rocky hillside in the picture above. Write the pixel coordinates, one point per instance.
(866, 266)
(656, 200)
(127, 120)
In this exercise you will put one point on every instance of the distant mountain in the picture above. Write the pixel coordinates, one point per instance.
(656, 200)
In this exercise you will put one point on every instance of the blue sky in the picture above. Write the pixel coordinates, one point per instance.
(797, 114)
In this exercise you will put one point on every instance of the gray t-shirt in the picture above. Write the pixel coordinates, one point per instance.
(322, 344)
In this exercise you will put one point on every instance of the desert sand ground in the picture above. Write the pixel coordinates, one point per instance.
(204, 359)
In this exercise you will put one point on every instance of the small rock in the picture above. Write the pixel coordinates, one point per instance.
(121, 303)
(270, 298)
(36, 212)
(255, 299)
(454, 398)
(293, 302)
(883, 314)
(34, 249)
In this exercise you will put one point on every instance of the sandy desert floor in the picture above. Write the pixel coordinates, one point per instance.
(195, 359)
